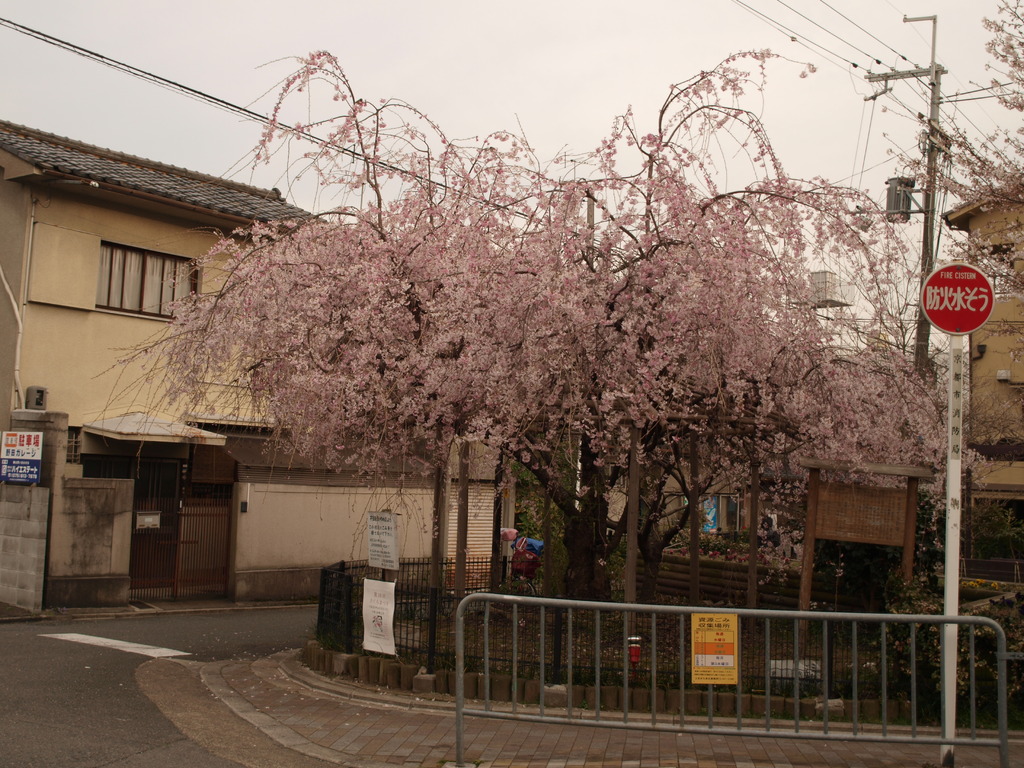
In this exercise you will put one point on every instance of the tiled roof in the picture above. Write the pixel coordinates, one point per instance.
(71, 158)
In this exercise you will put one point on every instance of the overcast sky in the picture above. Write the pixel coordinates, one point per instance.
(560, 70)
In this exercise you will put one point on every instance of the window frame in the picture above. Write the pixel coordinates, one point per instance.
(74, 451)
(127, 273)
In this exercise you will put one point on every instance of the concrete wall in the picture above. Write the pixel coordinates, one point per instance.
(90, 544)
(23, 511)
(289, 532)
(89, 523)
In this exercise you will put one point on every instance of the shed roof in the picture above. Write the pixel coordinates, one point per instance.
(66, 158)
(145, 427)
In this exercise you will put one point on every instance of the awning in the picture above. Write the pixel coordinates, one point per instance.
(143, 427)
(256, 452)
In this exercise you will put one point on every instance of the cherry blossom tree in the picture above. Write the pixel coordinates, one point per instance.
(657, 287)
(988, 170)
(988, 167)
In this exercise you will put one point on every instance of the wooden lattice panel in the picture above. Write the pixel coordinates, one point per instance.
(861, 513)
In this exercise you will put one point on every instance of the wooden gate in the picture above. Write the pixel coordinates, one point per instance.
(181, 551)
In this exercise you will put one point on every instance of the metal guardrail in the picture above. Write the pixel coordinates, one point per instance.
(883, 654)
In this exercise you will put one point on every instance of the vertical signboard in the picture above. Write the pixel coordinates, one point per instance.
(21, 457)
(715, 639)
(710, 508)
(379, 616)
(382, 528)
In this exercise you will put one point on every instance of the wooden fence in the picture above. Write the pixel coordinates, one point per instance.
(725, 582)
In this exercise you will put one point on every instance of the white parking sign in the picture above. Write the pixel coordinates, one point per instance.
(21, 457)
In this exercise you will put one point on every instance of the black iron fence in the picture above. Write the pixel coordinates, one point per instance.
(424, 621)
(424, 627)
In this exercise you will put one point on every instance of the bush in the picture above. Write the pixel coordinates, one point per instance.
(1008, 611)
(996, 532)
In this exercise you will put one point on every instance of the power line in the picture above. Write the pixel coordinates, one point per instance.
(867, 140)
(982, 136)
(958, 99)
(201, 96)
(829, 31)
(914, 113)
(821, 49)
(984, 88)
(133, 71)
(866, 32)
(803, 40)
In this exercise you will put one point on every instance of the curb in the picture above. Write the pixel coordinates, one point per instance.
(210, 674)
(133, 612)
(290, 663)
(26, 619)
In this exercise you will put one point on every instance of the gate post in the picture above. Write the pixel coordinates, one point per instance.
(346, 611)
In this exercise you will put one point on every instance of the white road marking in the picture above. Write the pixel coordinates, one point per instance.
(119, 645)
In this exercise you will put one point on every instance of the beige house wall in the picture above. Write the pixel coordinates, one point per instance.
(63, 330)
(997, 375)
(999, 480)
(1003, 474)
(997, 365)
(288, 532)
(58, 342)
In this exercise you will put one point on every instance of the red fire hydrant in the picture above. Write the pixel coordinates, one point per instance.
(634, 653)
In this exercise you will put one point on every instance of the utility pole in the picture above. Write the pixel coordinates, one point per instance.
(932, 149)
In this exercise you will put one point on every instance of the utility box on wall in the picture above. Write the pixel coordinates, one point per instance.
(35, 398)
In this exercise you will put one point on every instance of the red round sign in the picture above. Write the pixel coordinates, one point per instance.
(957, 298)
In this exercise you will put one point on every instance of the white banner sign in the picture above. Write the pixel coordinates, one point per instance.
(383, 539)
(379, 616)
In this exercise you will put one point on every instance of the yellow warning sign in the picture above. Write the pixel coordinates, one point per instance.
(715, 639)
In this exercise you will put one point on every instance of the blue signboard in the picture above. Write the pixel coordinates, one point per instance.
(21, 457)
(710, 505)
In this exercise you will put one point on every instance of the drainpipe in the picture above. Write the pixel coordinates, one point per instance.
(16, 307)
(19, 306)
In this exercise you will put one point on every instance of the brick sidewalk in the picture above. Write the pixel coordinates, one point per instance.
(334, 722)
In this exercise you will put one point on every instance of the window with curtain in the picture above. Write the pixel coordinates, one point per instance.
(134, 280)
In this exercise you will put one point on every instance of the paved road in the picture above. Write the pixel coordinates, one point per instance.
(75, 705)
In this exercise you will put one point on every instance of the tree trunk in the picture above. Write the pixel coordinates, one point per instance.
(649, 584)
(586, 573)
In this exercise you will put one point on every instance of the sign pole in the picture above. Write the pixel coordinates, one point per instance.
(957, 299)
(951, 595)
